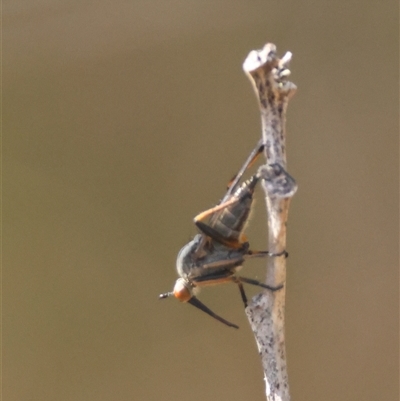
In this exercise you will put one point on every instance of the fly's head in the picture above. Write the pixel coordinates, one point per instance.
(183, 291)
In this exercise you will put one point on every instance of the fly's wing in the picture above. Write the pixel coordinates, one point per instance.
(228, 200)
(208, 232)
(221, 259)
(211, 233)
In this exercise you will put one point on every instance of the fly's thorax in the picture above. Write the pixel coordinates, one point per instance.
(185, 257)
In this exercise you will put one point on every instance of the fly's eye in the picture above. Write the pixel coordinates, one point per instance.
(182, 291)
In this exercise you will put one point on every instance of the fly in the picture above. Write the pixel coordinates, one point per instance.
(215, 254)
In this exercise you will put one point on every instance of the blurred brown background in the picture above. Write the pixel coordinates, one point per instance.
(124, 119)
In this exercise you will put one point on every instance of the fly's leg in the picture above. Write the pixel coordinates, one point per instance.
(239, 280)
(195, 302)
(247, 164)
(257, 283)
(241, 289)
(262, 254)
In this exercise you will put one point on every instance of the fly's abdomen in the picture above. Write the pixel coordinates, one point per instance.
(230, 221)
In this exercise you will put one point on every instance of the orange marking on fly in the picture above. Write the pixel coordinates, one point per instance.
(209, 212)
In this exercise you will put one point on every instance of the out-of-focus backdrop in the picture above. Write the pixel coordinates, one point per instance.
(124, 119)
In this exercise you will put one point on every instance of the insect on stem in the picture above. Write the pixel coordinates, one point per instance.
(215, 254)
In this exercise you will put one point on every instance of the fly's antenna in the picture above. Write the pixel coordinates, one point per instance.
(165, 295)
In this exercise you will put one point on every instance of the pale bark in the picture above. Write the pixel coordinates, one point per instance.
(266, 311)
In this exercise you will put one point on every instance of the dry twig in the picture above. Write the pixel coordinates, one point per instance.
(266, 312)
